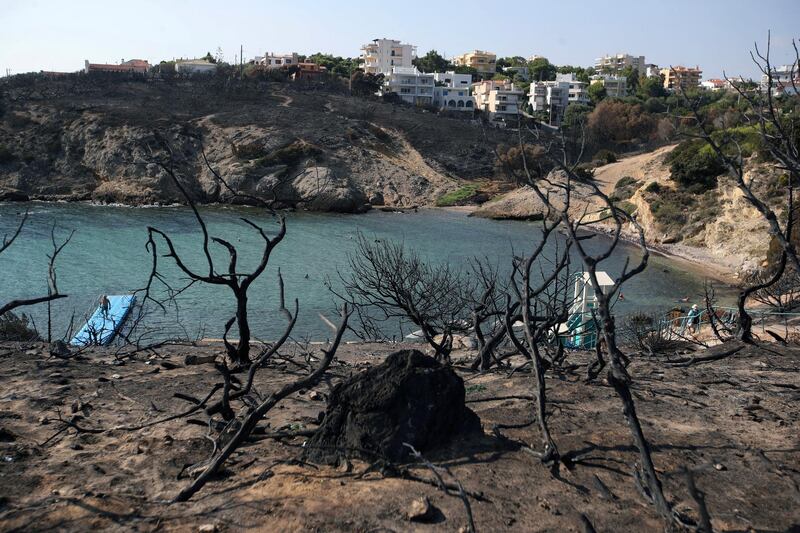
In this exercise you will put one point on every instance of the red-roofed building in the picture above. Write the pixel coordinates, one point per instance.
(309, 72)
(715, 84)
(134, 65)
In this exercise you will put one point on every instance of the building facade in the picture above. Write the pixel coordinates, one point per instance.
(309, 72)
(680, 77)
(483, 62)
(382, 55)
(453, 79)
(139, 66)
(577, 90)
(551, 97)
(614, 64)
(782, 79)
(615, 86)
(500, 99)
(453, 99)
(714, 84)
(411, 85)
(272, 60)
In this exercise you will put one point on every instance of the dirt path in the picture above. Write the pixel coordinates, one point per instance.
(640, 167)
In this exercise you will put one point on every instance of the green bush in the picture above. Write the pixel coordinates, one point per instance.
(16, 328)
(654, 188)
(625, 181)
(458, 196)
(694, 166)
(606, 156)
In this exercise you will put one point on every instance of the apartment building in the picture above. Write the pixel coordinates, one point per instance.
(551, 97)
(272, 60)
(616, 86)
(483, 62)
(139, 66)
(411, 85)
(614, 64)
(500, 99)
(453, 79)
(577, 90)
(681, 77)
(382, 55)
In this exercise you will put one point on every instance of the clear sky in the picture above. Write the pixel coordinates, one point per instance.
(715, 34)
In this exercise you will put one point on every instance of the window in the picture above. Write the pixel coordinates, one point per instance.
(392, 53)
(288, 61)
(277, 61)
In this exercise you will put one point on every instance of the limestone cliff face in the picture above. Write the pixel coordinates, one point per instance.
(315, 151)
(718, 228)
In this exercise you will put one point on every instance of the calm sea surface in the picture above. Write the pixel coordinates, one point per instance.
(107, 256)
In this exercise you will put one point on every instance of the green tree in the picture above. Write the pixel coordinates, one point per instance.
(632, 79)
(463, 69)
(542, 70)
(432, 62)
(651, 87)
(208, 57)
(575, 115)
(596, 92)
(362, 84)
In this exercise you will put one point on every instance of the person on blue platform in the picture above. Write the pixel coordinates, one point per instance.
(105, 304)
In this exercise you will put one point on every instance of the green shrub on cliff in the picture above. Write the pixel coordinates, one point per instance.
(694, 166)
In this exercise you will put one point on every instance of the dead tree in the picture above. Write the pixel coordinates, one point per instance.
(542, 302)
(52, 282)
(580, 205)
(487, 303)
(238, 282)
(779, 134)
(388, 283)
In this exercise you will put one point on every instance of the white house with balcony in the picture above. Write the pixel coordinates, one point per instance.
(382, 55)
(272, 60)
(577, 90)
(500, 99)
(411, 85)
(551, 97)
(452, 79)
(453, 99)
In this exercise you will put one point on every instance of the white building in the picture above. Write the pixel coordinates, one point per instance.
(452, 79)
(272, 60)
(382, 55)
(500, 99)
(411, 85)
(782, 79)
(617, 63)
(453, 99)
(195, 66)
(616, 86)
(651, 70)
(552, 97)
(578, 93)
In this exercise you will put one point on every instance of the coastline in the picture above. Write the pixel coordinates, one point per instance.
(699, 260)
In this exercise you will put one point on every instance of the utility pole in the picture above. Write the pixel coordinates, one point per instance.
(241, 61)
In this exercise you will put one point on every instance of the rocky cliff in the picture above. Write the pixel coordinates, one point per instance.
(320, 150)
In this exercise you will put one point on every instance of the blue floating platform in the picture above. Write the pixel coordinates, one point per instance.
(102, 326)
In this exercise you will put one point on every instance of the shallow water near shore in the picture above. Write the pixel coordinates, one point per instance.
(107, 256)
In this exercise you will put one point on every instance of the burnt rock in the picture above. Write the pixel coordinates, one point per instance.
(409, 398)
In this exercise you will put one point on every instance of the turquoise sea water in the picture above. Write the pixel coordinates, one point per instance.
(107, 255)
